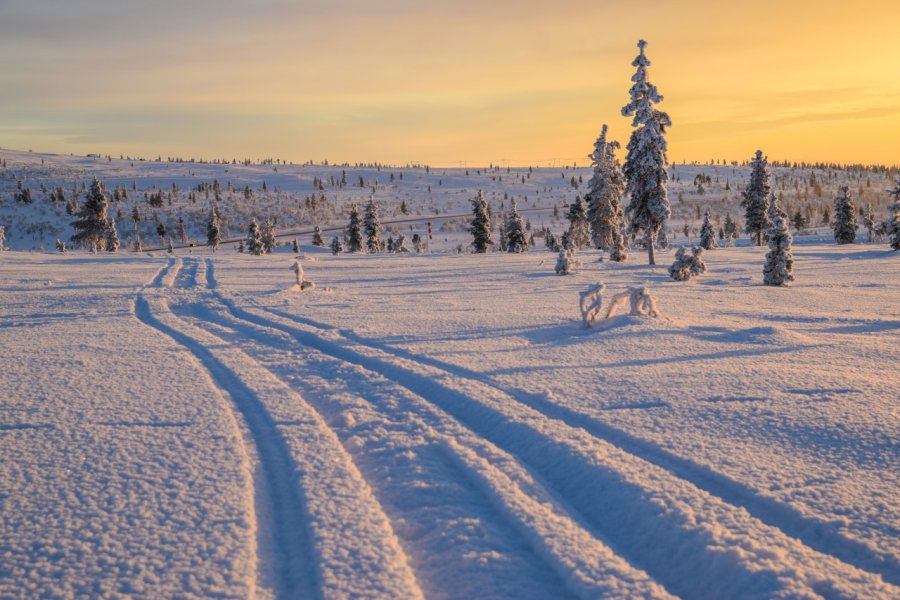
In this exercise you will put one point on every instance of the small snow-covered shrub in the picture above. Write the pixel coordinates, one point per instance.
(566, 263)
(686, 267)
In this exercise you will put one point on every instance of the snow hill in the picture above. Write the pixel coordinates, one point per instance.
(439, 424)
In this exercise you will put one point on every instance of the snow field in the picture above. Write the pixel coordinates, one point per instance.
(440, 426)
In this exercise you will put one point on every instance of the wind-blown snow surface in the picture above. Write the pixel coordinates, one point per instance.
(441, 426)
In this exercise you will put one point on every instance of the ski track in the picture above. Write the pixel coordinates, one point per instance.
(310, 485)
(540, 519)
(652, 516)
(813, 533)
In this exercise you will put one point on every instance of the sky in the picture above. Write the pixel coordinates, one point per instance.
(467, 82)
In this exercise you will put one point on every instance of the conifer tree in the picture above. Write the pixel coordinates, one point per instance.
(579, 233)
(893, 224)
(844, 221)
(516, 240)
(481, 225)
(182, 231)
(2, 237)
(869, 222)
(755, 198)
(604, 195)
(336, 246)
(779, 260)
(214, 229)
(372, 227)
(268, 236)
(708, 234)
(317, 237)
(112, 237)
(619, 250)
(646, 165)
(91, 226)
(254, 239)
(354, 233)
(295, 247)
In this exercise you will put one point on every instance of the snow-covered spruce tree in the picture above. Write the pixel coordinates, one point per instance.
(579, 233)
(372, 227)
(516, 240)
(112, 237)
(687, 267)
(755, 198)
(317, 237)
(646, 165)
(481, 225)
(336, 246)
(268, 236)
(254, 239)
(708, 234)
(893, 224)
(295, 246)
(91, 226)
(214, 229)
(2, 238)
(182, 231)
(354, 232)
(619, 250)
(779, 260)
(844, 222)
(604, 196)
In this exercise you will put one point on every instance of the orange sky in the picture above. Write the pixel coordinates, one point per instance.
(398, 80)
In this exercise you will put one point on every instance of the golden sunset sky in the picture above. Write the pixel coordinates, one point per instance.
(530, 82)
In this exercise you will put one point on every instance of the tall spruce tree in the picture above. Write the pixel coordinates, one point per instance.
(354, 232)
(708, 234)
(481, 225)
(372, 227)
(844, 222)
(893, 224)
(91, 226)
(214, 229)
(579, 233)
(779, 268)
(755, 198)
(646, 165)
(604, 196)
(516, 238)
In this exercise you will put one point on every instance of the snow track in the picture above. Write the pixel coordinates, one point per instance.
(659, 516)
(326, 534)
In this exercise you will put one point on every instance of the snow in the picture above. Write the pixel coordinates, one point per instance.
(442, 425)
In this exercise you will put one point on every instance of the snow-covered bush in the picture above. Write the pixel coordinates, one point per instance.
(566, 263)
(687, 266)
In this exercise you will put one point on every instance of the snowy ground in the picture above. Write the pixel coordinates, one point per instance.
(440, 425)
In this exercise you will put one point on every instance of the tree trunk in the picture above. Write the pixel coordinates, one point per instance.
(650, 251)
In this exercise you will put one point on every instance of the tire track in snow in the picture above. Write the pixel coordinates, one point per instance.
(163, 272)
(540, 519)
(287, 550)
(337, 524)
(187, 277)
(813, 533)
(692, 542)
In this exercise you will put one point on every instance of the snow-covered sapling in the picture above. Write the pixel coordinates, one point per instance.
(516, 237)
(295, 247)
(372, 227)
(844, 221)
(686, 267)
(481, 225)
(60, 246)
(566, 263)
(779, 260)
(619, 250)
(708, 234)
(354, 232)
(214, 229)
(254, 239)
(317, 237)
(336, 246)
